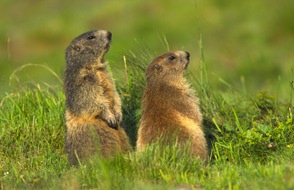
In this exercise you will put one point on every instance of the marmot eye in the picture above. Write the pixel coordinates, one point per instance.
(171, 57)
(91, 37)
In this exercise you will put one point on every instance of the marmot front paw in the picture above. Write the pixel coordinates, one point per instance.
(111, 122)
(118, 117)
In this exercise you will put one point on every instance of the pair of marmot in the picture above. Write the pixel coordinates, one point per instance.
(93, 106)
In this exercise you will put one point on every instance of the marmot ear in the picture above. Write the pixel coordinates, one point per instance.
(154, 69)
(157, 68)
(76, 48)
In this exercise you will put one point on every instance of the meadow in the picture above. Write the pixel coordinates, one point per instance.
(241, 69)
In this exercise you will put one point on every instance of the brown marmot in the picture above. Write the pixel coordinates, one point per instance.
(93, 106)
(170, 108)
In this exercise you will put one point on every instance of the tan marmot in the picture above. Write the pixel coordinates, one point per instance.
(93, 106)
(170, 108)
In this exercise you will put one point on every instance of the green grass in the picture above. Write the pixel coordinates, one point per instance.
(245, 84)
(251, 141)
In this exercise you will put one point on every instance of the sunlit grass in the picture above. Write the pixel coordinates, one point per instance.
(251, 143)
(241, 69)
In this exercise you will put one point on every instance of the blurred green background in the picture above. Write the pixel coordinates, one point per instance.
(245, 42)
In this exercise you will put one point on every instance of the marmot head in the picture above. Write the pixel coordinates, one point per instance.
(168, 64)
(89, 47)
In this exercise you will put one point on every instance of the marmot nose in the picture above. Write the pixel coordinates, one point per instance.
(187, 55)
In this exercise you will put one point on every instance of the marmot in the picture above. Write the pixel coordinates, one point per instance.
(93, 106)
(170, 108)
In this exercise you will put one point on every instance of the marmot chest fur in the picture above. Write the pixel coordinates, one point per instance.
(170, 108)
(93, 106)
